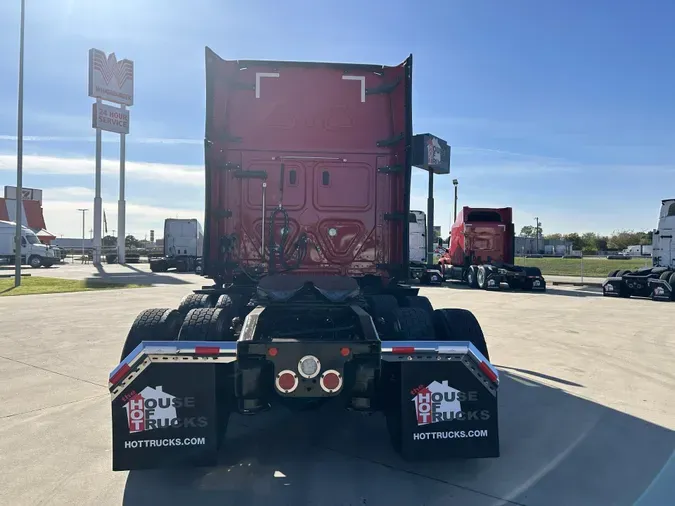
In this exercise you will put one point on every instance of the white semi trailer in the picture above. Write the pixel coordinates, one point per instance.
(183, 246)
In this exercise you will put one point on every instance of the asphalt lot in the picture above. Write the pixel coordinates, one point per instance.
(586, 412)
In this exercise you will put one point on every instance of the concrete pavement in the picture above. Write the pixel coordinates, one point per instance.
(584, 413)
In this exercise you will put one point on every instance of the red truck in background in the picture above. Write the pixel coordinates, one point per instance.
(482, 252)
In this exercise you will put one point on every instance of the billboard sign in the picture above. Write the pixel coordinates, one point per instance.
(26, 194)
(110, 118)
(110, 79)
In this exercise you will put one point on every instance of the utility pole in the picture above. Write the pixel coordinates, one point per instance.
(83, 211)
(536, 231)
(19, 156)
(455, 182)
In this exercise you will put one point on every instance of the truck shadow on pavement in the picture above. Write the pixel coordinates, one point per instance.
(134, 276)
(557, 449)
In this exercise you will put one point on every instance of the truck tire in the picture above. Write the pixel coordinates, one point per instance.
(231, 302)
(621, 273)
(420, 302)
(471, 277)
(671, 280)
(206, 324)
(665, 276)
(35, 262)
(413, 324)
(460, 325)
(382, 307)
(194, 301)
(152, 325)
(482, 274)
(612, 274)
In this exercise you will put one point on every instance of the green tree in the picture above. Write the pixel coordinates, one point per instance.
(553, 237)
(132, 242)
(575, 239)
(527, 231)
(109, 241)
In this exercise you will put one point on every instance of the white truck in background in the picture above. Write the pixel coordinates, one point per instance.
(33, 252)
(418, 243)
(420, 271)
(183, 246)
(658, 281)
(638, 251)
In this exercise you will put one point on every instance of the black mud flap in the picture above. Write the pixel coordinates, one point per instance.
(538, 283)
(612, 287)
(661, 290)
(169, 407)
(433, 276)
(441, 401)
(494, 282)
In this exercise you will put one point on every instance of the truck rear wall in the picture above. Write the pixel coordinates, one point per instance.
(339, 134)
(182, 237)
(482, 235)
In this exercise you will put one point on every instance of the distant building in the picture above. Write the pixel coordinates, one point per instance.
(554, 247)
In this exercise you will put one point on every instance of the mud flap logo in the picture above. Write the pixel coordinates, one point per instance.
(439, 402)
(153, 408)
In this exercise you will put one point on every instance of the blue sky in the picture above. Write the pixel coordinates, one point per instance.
(561, 109)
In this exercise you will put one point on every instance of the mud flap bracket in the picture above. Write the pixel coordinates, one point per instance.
(440, 405)
(170, 406)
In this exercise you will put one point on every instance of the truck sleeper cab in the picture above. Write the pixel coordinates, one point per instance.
(308, 169)
(482, 253)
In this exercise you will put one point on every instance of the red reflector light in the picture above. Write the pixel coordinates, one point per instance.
(344, 352)
(120, 374)
(287, 381)
(403, 350)
(488, 372)
(207, 350)
(331, 381)
(273, 352)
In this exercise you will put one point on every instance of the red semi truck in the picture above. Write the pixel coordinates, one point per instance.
(308, 169)
(482, 252)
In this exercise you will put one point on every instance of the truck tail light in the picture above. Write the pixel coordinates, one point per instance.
(488, 372)
(403, 350)
(331, 381)
(120, 374)
(287, 381)
(207, 350)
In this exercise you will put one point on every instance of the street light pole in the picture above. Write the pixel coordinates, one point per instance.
(455, 182)
(19, 157)
(82, 211)
(536, 232)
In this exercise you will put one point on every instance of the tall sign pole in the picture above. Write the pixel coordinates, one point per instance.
(19, 157)
(98, 202)
(112, 81)
(121, 204)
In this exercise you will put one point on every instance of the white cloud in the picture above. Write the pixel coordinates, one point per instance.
(106, 139)
(63, 218)
(166, 172)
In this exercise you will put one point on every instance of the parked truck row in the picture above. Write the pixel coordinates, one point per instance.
(306, 242)
(658, 281)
